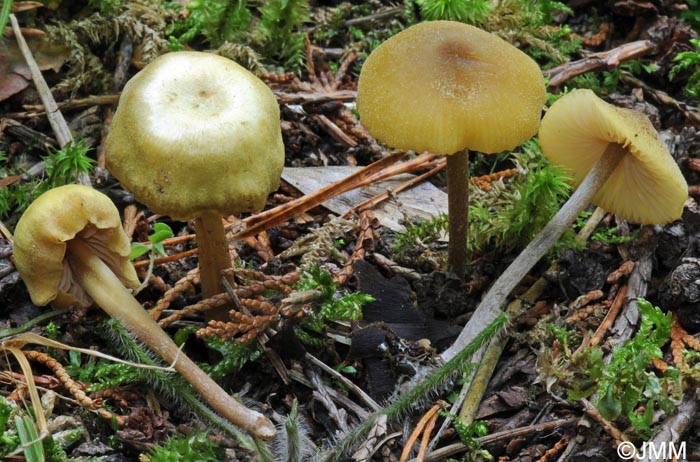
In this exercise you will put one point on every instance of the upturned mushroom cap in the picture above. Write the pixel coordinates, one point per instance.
(195, 132)
(445, 86)
(647, 187)
(56, 217)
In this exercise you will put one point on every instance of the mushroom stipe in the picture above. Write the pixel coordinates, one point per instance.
(71, 250)
(632, 175)
(448, 88)
(197, 137)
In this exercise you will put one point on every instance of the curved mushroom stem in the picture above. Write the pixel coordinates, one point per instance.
(490, 306)
(100, 283)
(458, 209)
(213, 258)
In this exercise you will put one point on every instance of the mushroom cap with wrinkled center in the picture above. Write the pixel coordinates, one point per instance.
(647, 187)
(56, 217)
(445, 86)
(195, 132)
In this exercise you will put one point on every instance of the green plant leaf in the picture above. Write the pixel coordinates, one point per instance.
(26, 429)
(138, 249)
(609, 406)
(161, 232)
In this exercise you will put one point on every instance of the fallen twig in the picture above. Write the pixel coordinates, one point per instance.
(602, 60)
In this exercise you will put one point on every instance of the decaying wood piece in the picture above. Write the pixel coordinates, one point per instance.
(637, 285)
(27, 135)
(675, 426)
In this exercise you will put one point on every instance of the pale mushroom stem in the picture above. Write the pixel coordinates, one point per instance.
(458, 210)
(213, 259)
(490, 306)
(102, 285)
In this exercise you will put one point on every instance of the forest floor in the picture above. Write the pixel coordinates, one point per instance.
(344, 301)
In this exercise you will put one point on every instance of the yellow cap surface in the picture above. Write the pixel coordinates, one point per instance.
(647, 187)
(445, 86)
(195, 132)
(56, 217)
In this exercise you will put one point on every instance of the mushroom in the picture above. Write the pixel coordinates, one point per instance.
(196, 136)
(70, 250)
(616, 161)
(447, 87)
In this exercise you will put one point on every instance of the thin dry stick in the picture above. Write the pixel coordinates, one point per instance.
(456, 448)
(379, 198)
(98, 100)
(344, 380)
(284, 212)
(603, 60)
(58, 123)
(426, 434)
(608, 426)
(167, 258)
(420, 162)
(420, 426)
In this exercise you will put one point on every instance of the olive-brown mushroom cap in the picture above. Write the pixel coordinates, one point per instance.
(647, 187)
(195, 132)
(445, 86)
(56, 217)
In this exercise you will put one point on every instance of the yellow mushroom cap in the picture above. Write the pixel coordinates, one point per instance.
(647, 187)
(445, 86)
(56, 217)
(195, 132)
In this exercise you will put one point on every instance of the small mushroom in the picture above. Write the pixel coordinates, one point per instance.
(196, 136)
(447, 87)
(71, 250)
(617, 162)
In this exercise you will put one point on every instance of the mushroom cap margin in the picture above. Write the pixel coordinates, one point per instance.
(53, 219)
(647, 187)
(445, 86)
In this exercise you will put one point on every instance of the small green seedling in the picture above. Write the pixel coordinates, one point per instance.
(161, 232)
